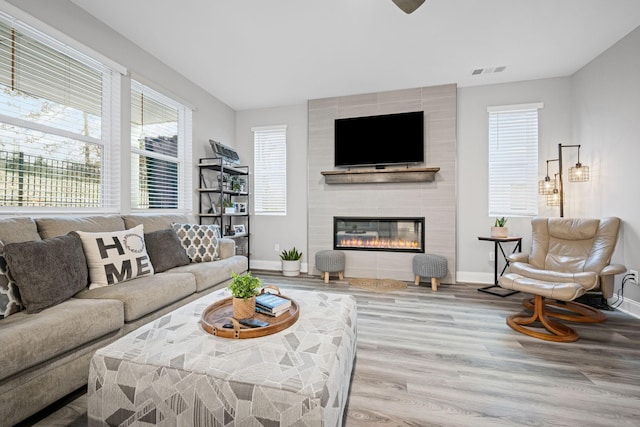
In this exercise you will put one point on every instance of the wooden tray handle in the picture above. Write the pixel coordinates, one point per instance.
(214, 331)
(263, 291)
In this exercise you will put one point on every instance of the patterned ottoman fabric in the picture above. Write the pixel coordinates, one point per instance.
(172, 373)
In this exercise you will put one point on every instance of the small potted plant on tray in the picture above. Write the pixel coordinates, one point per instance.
(244, 289)
(499, 230)
(291, 262)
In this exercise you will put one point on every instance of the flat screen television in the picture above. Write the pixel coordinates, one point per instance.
(380, 140)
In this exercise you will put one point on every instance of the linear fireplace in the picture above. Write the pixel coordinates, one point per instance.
(378, 234)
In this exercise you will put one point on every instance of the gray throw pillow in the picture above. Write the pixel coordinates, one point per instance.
(48, 272)
(199, 241)
(165, 250)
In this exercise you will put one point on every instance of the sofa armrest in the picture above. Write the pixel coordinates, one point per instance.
(613, 269)
(226, 248)
(518, 257)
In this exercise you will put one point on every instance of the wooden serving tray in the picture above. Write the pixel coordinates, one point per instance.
(221, 312)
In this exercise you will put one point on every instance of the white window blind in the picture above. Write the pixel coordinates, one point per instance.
(59, 112)
(270, 170)
(513, 160)
(161, 138)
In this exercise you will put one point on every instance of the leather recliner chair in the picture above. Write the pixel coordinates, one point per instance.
(567, 251)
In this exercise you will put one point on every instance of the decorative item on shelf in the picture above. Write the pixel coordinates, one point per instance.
(237, 184)
(499, 230)
(244, 289)
(229, 208)
(291, 262)
(238, 229)
(227, 154)
(554, 191)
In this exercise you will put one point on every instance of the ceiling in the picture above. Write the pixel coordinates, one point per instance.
(265, 53)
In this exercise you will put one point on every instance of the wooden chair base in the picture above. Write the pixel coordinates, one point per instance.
(326, 276)
(570, 311)
(434, 283)
(556, 331)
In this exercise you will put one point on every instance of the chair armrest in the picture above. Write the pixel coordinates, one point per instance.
(518, 257)
(613, 269)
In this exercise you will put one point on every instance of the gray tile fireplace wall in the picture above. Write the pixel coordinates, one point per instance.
(435, 201)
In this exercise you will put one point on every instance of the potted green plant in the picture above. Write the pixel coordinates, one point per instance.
(244, 289)
(237, 184)
(228, 206)
(499, 229)
(291, 262)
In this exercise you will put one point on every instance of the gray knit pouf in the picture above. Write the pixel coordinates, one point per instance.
(429, 265)
(328, 261)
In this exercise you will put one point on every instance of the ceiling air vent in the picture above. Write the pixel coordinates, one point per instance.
(488, 70)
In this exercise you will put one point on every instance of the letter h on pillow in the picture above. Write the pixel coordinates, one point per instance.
(115, 257)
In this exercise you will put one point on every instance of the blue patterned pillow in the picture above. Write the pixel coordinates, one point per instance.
(199, 241)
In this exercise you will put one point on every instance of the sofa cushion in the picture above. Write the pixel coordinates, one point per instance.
(165, 250)
(30, 339)
(49, 271)
(59, 226)
(212, 273)
(116, 256)
(12, 230)
(154, 222)
(146, 294)
(199, 241)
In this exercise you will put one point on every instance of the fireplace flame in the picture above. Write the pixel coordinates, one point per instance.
(379, 243)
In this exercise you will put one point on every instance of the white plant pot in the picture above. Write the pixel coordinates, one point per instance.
(230, 210)
(291, 268)
(499, 231)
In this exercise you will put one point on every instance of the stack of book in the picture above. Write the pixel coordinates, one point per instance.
(272, 305)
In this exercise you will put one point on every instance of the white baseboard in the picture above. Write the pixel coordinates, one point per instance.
(259, 264)
(474, 277)
(629, 306)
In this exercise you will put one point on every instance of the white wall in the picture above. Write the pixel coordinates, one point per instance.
(606, 121)
(290, 230)
(211, 119)
(473, 220)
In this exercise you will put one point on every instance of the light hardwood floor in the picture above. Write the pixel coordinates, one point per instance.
(447, 358)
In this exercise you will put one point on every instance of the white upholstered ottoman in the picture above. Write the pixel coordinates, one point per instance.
(171, 372)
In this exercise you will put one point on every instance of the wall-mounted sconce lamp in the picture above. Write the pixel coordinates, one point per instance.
(548, 188)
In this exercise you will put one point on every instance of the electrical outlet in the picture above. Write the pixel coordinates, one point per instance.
(492, 256)
(276, 247)
(635, 276)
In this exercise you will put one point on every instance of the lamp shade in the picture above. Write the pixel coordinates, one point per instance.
(546, 186)
(579, 173)
(553, 199)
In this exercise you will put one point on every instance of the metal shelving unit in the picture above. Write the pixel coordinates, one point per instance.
(220, 183)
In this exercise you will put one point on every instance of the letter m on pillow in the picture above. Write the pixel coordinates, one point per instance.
(115, 257)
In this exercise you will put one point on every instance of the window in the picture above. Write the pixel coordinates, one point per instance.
(270, 170)
(160, 151)
(58, 124)
(513, 160)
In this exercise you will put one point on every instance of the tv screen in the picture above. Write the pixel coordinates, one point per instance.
(380, 140)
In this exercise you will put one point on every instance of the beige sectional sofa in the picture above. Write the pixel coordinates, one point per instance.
(46, 355)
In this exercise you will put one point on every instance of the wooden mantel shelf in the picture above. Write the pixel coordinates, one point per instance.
(364, 176)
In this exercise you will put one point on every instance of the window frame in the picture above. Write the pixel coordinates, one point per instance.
(184, 158)
(280, 200)
(520, 137)
(109, 139)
